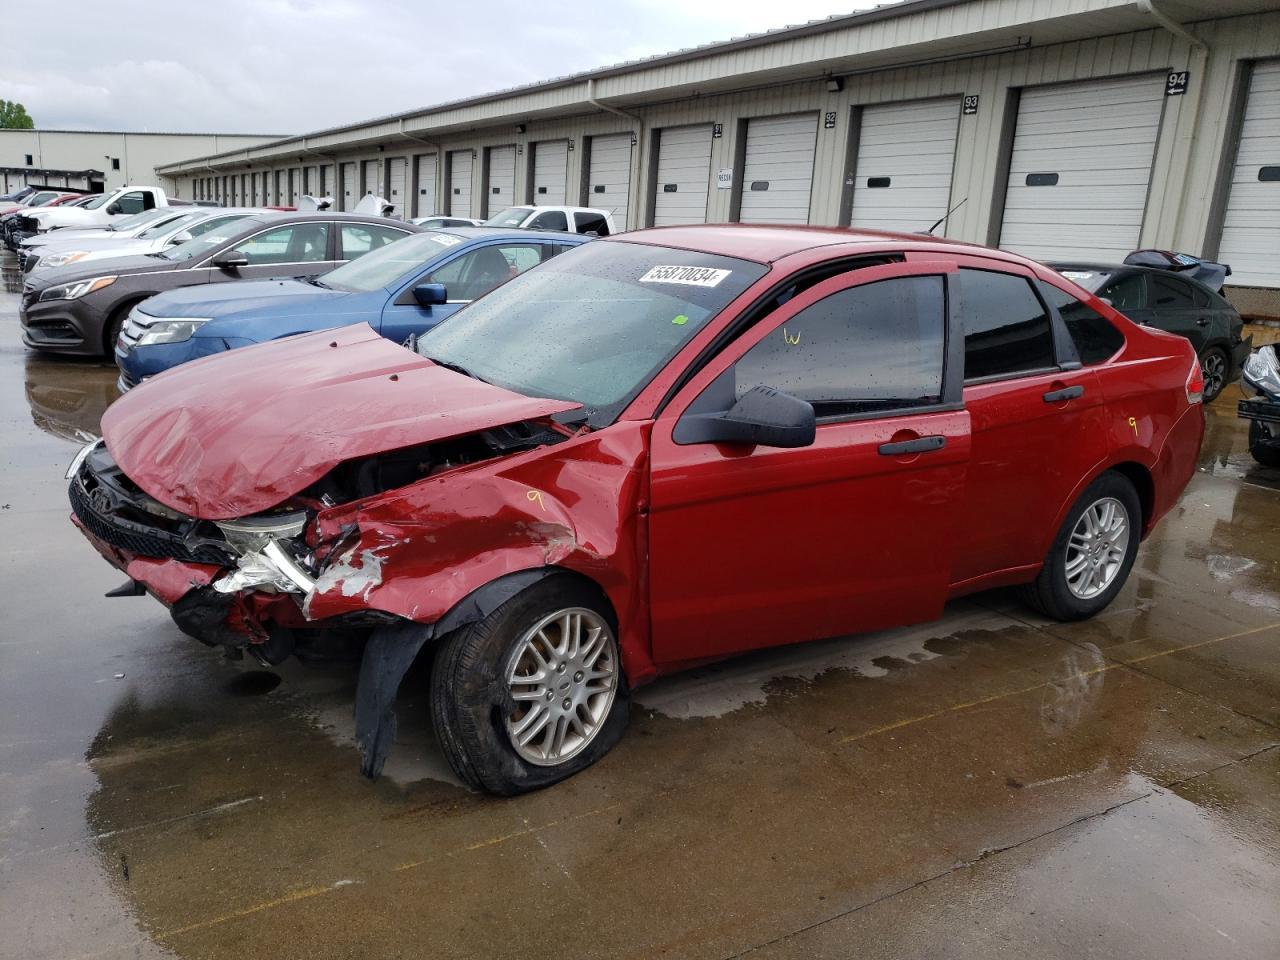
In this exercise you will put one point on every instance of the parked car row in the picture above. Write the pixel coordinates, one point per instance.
(570, 465)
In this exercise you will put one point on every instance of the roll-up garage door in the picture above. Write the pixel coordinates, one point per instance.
(460, 163)
(295, 186)
(609, 180)
(1251, 228)
(371, 180)
(684, 172)
(550, 172)
(906, 152)
(500, 191)
(1081, 164)
(778, 174)
(396, 187)
(426, 198)
(350, 189)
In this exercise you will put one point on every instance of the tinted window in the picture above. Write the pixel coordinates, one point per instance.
(1095, 338)
(1127, 292)
(869, 347)
(359, 238)
(300, 243)
(1200, 296)
(474, 274)
(551, 220)
(591, 223)
(202, 227)
(1170, 294)
(131, 203)
(1006, 328)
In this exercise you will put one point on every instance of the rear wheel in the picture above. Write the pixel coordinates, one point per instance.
(1264, 447)
(1214, 365)
(534, 692)
(1092, 554)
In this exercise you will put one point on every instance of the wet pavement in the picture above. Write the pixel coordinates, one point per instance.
(990, 785)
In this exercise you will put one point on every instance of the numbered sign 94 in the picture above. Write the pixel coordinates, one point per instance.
(1176, 84)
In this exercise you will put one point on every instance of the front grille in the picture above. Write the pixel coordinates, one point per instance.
(27, 260)
(137, 538)
(131, 331)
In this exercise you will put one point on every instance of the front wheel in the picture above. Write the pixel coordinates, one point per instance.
(534, 692)
(1214, 365)
(1264, 447)
(1092, 554)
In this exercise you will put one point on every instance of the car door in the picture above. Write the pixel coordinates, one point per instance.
(1174, 308)
(468, 275)
(1037, 417)
(754, 546)
(295, 249)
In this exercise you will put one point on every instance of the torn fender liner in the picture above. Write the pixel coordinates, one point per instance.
(390, 653)
(387, 657)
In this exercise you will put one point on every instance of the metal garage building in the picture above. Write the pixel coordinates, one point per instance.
(1080, 129)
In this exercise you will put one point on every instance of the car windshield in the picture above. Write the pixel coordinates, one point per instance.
(138, 219)
(201, 245)
(384, 266)
(42, 199)
(592, 325)
(510, 217)
(95, 204)
(1091, 280)
(169, 225)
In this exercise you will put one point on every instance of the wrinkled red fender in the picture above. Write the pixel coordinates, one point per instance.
(420, 550)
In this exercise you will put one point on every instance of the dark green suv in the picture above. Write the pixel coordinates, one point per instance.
(1161, 299)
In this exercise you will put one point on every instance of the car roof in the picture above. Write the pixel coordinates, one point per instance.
(309, 216)
(479, 233)
(767, 244)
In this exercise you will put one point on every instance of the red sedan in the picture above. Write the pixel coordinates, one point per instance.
(649, 452)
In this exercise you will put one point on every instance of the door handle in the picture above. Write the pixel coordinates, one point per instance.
(1202, 322)
(1066, 393)
(918, 445)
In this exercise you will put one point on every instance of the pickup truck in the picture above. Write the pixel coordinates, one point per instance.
(122, 202)
(588, 220)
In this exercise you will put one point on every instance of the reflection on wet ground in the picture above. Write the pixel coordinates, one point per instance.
(990, 785)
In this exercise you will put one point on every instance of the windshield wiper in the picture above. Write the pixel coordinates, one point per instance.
(455, 367)
(317, 282)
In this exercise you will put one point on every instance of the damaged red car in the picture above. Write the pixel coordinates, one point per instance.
(650, 452)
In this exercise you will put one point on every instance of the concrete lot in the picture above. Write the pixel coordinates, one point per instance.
(987, 786)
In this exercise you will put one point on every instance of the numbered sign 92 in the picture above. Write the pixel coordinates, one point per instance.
(1176, 83)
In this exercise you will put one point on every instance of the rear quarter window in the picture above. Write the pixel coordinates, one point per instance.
(1095, 338)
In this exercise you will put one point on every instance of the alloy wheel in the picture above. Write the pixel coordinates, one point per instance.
(1097, 548)
(1214, 368)
(562, 677)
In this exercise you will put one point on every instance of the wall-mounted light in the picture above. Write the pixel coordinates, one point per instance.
(835, 84)
(519, 128)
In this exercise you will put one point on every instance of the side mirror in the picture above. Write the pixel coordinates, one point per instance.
(180, 237)
(230, 260)
(764, 416)
(113, 209)
(429, 294)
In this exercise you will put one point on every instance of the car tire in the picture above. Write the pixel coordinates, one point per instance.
(111, 331)
(481, 715)
(1215, 365)
(1083, 570)
(1263, 447)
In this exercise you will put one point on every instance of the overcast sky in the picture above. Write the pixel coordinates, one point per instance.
(290, 66)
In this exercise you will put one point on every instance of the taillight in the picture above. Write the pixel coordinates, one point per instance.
(1195, 382)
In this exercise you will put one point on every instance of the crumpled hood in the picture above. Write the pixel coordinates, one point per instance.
(214, 300)
(238, 433)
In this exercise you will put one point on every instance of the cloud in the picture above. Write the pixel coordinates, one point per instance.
(289, 66)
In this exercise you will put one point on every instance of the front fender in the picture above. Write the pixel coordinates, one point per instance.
(421, 552)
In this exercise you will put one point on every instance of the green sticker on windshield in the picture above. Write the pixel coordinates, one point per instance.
(680, 321)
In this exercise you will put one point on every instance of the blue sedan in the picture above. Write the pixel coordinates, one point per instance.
(403, 288)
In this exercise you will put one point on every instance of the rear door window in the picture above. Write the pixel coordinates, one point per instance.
(359, 238)
(1168, 293)
(1006, 327)
(1095, 338)
(875, 347)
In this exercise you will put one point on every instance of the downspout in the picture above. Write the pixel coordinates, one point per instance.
(633, 187)
(1183, 148)
(439, 168)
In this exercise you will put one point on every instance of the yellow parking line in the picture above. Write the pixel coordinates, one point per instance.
(955, 708)
(257, 908)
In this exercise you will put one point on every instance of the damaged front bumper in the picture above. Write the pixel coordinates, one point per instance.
(234, 583)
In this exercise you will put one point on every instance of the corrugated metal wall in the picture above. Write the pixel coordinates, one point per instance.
(1186, 172)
